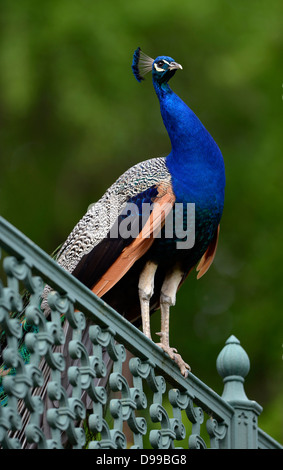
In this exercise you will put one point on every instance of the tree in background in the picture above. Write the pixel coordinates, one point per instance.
(73, 119)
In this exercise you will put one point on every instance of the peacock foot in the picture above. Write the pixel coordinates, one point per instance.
(172, 352)
(183, 366)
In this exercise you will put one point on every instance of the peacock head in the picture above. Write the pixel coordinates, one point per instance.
(162, 68)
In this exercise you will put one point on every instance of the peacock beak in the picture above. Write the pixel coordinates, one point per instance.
(175, 66)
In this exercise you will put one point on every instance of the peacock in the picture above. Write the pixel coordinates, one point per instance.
(173, 206)
(136, 245)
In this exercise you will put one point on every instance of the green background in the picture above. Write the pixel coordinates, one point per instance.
(73, 118)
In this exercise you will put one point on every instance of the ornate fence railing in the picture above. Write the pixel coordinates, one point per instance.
(56, 388)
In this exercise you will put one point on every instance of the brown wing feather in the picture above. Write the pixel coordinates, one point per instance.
(208, 256)
(141, 244)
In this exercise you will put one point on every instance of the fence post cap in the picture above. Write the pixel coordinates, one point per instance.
(233, 360)
(233, 365)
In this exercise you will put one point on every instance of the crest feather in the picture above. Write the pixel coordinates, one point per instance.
(141, 65)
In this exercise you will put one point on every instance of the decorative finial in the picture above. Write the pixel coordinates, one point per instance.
(233, 359)
(233, 365)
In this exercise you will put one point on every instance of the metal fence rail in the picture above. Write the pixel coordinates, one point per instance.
(57, 390)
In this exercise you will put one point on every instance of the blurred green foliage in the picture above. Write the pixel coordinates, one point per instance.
(73, 118)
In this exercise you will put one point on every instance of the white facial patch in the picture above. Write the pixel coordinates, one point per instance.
(160, 69)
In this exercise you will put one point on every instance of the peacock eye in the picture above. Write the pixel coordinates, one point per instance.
(160, 63)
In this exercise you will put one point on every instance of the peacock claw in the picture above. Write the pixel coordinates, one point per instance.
(183, 366)
(170, 351)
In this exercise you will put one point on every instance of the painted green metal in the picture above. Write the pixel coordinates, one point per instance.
(150, 403)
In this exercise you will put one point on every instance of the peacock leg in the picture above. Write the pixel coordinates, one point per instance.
(146, 286)
(167, 300)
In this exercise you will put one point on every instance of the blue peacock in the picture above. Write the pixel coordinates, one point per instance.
(140, 271)
(138, 275)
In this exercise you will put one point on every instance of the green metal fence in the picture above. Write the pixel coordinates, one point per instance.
(56, 391)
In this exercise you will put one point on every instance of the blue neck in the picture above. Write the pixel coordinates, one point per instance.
(195, 161)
